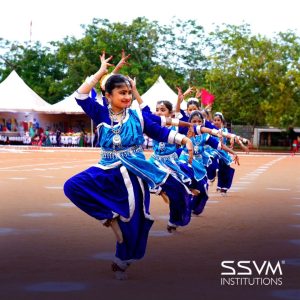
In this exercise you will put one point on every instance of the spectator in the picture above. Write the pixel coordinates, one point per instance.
(58, 137)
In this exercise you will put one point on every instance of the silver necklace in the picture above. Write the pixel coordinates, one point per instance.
(196, 147)
(162, 146)
(117, 141)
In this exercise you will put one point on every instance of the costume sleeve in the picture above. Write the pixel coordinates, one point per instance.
(157, 132)
(213, 142)
(97, 112)
(208, 124)
(151, 116)
(183, 130)
(161, 120)
(145, 108)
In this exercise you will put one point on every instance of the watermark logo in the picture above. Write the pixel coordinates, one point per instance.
(251, 273)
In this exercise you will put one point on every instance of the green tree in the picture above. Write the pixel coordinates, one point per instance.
(251, 76)
(181, 49)
(37, 66)
(81, 57)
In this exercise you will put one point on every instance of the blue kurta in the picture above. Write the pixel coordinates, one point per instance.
(198, 164)
(197, 170)
(118, 184)
(165, 156)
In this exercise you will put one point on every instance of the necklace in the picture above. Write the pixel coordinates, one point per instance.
(197, 142)
(162, 146)
(117, 141)
(114, 116)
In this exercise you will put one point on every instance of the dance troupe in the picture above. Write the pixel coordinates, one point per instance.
(189, 152)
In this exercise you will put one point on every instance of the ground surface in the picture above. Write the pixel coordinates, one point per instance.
(51, 250)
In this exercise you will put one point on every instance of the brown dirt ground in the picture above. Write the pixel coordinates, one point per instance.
(255, 222)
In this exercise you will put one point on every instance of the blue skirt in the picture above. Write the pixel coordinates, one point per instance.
(104, 194)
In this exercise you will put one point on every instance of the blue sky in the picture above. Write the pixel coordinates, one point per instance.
(55, 19)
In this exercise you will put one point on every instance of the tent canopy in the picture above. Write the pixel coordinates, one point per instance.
(16, 96)
(157, 92)
(66, 106)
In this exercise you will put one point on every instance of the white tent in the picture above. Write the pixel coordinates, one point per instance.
(17, 96)
(157, 92)
(66, 106)
(70, 106)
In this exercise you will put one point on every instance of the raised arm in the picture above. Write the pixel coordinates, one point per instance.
(121, 63)
(179, 99)
(135, 92)
(91, 81)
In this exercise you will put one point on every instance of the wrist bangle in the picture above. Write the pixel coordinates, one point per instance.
(178, 138)
(91, 80)
(174, 122)
(163, 121)
(214, 131)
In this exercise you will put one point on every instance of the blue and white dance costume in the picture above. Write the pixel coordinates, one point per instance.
(118, 184)
(184, 117)
(198, 171)
(225, 171)
(165, 157)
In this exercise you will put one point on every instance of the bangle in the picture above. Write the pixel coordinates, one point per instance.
(214, 131)
(178, 138)
(163, 121)
(80, 96)
(91, 80)
(175, 122)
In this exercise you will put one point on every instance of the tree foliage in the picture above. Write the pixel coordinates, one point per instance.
(255, 79)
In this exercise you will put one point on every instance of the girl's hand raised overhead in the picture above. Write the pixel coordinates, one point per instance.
(104, 63)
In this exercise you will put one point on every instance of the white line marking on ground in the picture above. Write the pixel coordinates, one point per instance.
(54, 187)
(65, 204)
(295, 225)
(59, 287)
(212, 201)
(295, 242)
(38, 215)
(104, 256)
(48, 164)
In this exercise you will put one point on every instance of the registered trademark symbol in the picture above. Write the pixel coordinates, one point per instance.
(283, 262)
